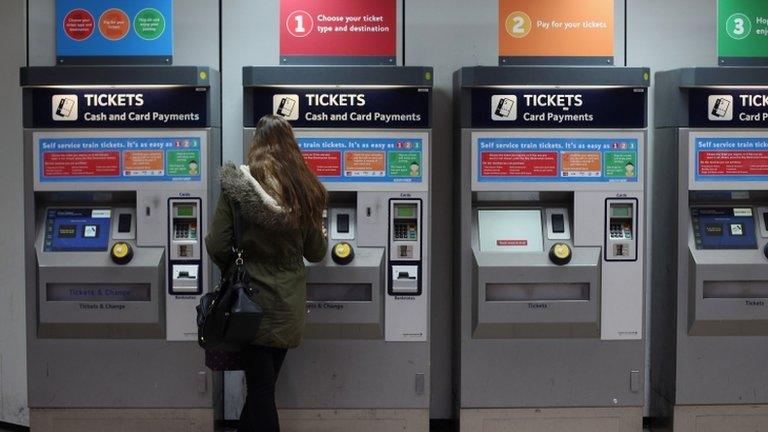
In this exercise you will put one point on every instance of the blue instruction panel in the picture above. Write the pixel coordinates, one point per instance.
(557, 160)
(731, 159)
(77, 230)
(724, 228)
(114, 29)
(371, 160)
(119, 159)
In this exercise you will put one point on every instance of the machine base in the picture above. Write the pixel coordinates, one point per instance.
(718, 418)
(121, 420)
(354, 420)
(628, 419)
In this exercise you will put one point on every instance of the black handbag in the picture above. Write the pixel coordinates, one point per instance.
(229, 317)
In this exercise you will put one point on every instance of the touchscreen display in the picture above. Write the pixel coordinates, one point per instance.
(724, 228)
(77, 230)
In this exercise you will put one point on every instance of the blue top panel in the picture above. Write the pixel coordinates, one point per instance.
(114, 29)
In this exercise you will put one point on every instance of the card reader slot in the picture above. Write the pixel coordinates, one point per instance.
(528, 292)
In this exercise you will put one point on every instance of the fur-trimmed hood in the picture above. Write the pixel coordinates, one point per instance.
(256, 205)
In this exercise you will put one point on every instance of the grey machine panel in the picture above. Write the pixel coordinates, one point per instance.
(710, 327)
(137, 348)
(539, 340)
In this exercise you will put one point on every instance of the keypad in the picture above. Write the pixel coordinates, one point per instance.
(405, 231)
(620, 232)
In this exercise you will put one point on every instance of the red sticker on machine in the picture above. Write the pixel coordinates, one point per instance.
(733, 163)
(81, 164)
(519, 164)
(324, 163)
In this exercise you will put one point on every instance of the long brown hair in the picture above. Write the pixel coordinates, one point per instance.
(276, 162)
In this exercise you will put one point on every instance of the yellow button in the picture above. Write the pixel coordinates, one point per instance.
(342, 250)
(120, 250)
(562, 250)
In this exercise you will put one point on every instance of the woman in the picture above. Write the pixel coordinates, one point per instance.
(282, 205)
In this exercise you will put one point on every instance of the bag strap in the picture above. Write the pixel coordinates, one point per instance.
(238, 224)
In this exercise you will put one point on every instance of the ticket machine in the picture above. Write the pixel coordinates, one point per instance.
(550, 241)
(710, 249)
(120, 178)
(365, 132)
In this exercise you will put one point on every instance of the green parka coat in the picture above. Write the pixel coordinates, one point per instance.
(273, 255)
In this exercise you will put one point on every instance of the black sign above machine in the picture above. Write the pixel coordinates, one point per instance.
(724, 107)
(399, 107)
(559, 108)
(124, 107)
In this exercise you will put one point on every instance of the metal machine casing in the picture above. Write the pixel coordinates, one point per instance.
(365, 131)
(709, 327)
(114, 338)
(542, 344)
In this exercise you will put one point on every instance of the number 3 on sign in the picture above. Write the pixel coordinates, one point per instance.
(518, 24)
(738, 26)
(299, 23)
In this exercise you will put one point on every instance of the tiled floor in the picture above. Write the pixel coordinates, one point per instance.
(437, 429)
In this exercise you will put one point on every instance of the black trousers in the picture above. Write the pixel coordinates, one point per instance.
(262, 366)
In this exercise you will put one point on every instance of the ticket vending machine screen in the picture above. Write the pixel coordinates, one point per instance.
(724, 228)
(77, 230)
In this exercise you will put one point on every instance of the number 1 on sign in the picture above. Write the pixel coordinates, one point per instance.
(299, 24)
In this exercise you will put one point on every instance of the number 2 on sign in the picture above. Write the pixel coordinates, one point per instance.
(518, 24)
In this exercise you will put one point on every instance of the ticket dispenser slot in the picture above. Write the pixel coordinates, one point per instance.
(184, 246)
(405, 248)
(620, 230)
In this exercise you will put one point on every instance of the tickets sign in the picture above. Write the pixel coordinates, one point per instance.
(400, 108)
(731, 159)
(556, 32)
(728, 108)
(114, 31)
(178, 107)
(338, 32)
(368, 160)
(119, 159)
(590, 108)
(557, 160)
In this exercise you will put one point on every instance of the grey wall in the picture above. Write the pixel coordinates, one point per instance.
(446, 34)
(684, 35)
(13, 376)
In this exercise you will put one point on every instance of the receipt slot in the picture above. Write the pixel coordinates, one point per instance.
(710, 271)
(550, 261)
(366, 133)
(119, 180)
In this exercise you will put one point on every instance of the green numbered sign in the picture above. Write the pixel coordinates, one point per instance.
(742, 32)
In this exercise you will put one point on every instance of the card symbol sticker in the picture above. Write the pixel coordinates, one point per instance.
(286, 105)
(64, 107)
(504, 108)
(720, 108)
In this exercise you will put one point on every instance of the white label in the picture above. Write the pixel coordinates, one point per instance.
(286, 106)
(64, 107)
(101, 214)
(504, 108)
